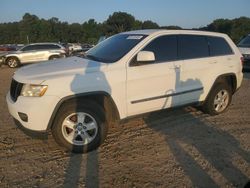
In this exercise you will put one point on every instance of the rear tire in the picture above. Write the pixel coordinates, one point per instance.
(81, 127)
(12, 62)
(218, 100)
(53, 57)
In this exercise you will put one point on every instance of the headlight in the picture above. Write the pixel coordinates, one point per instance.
(31, 90)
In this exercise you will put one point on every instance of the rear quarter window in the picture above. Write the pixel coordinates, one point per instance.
(218, 46)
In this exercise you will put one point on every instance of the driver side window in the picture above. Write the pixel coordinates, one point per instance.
(164, 48)
(28, 48)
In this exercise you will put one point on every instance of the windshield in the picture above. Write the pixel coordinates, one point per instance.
(245, 42)
(114, 48)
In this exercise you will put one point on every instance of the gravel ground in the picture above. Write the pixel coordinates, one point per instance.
(171, 148)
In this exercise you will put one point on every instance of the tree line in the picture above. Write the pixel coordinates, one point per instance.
(33, 29)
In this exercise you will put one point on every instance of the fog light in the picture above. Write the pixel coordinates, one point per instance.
(23, 116)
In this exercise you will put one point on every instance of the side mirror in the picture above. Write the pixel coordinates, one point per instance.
(145, 56)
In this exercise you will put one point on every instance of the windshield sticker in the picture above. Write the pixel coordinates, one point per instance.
(134, 37)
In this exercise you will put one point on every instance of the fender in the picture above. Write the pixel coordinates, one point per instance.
(10, 55)
(223, 78)
(81, 95)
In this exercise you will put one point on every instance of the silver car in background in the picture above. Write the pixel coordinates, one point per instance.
(34, 53)
(244, 47)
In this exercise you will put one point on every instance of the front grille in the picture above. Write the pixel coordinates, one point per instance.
(15, 89)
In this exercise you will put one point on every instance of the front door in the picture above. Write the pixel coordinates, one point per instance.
(152, 86)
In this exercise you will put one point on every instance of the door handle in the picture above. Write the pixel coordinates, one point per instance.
(177, 66)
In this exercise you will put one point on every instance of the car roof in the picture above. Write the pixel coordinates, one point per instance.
(45, 43)
(166, 31)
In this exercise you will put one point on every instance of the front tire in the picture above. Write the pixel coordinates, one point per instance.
(81, 127)
(218, 100)
(12, 62)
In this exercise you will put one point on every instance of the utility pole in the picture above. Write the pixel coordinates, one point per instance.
(28, 41)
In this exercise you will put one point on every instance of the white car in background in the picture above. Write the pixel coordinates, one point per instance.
(34, 53)
(74, 47)
(244, 47)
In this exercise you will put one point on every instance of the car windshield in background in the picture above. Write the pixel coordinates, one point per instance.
(245, 42)
(114, 48)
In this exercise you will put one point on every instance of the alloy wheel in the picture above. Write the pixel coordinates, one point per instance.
(79, 128)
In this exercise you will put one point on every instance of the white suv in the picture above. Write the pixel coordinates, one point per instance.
(128, 74)
(34, 53)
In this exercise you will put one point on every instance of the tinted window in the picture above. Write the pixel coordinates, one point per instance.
(48, 46)
(164, 48)
(38, 47)
(28, 48)
(245, 42)
(192, 46)
(218, 46)
(114, 48)
(52, 46)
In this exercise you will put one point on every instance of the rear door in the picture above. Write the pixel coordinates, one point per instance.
(38, 54)
(49, 50)
(195, 68)
(204, 58)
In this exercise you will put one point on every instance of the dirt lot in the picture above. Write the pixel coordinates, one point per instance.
(177, 148)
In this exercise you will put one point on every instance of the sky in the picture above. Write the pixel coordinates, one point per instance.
(184, 13)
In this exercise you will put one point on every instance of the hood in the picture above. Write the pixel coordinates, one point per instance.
(40, 72)
(244, 50)
(13, 52)
(5, 53)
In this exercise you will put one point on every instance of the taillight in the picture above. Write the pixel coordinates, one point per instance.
(242, 60)
(66, 50)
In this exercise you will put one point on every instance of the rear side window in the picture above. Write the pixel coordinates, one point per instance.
(192, 46)
(218, 46)
(48, 46)
(52, 46)
(164, 48)
(38, 47)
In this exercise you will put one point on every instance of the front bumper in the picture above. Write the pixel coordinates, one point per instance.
(2, 60)
(38, 109)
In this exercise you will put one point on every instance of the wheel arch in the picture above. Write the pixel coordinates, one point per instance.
(100, 97)
(229, 78)
(53, 55)
(11, 56)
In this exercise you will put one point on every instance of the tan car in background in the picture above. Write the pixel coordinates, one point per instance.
(34, 53)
